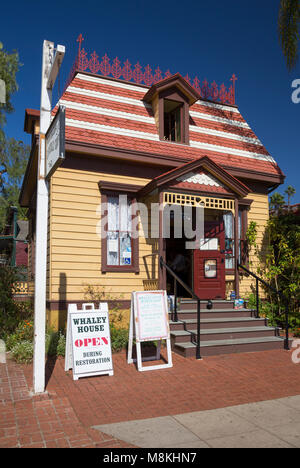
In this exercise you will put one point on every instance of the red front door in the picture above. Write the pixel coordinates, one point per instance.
(209, 263)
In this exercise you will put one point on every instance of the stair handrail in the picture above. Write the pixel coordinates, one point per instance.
(279, 293)
(177, 279)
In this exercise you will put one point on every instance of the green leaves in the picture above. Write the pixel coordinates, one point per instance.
(9, 66)
(288, 28)
(14, 154)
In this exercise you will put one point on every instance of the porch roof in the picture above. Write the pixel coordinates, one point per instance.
(226, 180)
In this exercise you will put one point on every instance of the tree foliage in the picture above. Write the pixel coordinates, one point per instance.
(290, 192)
(283, 259)
(289, 30)
(279, 265)
(13, 154)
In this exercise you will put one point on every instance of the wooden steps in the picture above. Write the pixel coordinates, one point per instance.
(223, 330)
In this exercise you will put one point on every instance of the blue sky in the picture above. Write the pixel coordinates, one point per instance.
(212, 40)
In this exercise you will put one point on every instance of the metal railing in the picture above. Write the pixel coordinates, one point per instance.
(192, 294)
(278, 293)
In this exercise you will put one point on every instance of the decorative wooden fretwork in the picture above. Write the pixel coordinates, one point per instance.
(150, 285)
(21, 288)
(199, 200)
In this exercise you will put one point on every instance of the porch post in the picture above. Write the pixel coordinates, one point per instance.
(162, 275)
(236, 247)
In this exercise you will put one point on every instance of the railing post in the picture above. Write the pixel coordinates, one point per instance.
(175, 301)
(257, 298)
(198, 355)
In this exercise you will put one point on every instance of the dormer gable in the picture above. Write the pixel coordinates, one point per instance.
(171, 99)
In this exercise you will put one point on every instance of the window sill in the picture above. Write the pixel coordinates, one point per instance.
(174, 142)
(120, 269)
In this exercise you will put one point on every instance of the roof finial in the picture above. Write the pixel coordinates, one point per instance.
(233, 79)
(79, 39)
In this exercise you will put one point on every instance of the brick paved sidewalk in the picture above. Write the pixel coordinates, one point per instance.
(64, 416)
(44, 421)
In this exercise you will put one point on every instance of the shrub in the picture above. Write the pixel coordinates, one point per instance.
(20, 343)
(22, 352)
(23, 332)
(8, 276)
(55, 343)
(119, 338)
(61, 345)
(11, 311)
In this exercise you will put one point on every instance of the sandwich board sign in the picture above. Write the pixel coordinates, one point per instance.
(149, 321)
(88, 345)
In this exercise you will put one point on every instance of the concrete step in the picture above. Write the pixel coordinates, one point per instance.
(184, 336)
(217, 304)
(241, 345)
(214, 313)
(223, 322)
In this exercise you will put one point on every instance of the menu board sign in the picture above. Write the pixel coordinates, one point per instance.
(152, 316)
(149, 321)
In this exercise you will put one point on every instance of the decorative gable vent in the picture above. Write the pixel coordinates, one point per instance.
(201, 178)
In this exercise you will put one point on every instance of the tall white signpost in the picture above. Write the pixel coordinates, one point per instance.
(50, 67)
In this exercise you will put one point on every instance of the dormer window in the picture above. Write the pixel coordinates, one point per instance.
(172, 120)
(171, 99)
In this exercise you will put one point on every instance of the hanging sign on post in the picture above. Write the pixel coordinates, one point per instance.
(88, 345)
(55, 142)
(149, 322)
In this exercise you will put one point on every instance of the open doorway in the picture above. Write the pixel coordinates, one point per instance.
(203, 269)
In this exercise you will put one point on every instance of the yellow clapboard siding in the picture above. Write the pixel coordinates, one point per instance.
(79, 191)
(71, 205)
(76, 250)
(74, 297)
(70, 269)
(77, 183)
(75, 243)
(96, 176)
(79, 282)
(75, 211)
(116, 289)
(82, 199)
(74, 220)
(74, 236)
(89, 229)
(259, 212)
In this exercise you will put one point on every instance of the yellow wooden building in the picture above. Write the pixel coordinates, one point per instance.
(161, 140)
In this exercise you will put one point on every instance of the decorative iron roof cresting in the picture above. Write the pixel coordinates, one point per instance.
(135, 73)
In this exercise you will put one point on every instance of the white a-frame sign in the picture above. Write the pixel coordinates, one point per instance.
(149, 322)
(88, 345)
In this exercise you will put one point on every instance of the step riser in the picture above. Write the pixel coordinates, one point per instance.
(211, 325)
(229, 349)
(216, 306)
(224, 336)
(214, 314)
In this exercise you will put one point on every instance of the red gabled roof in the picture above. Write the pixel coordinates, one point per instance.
(111, 113)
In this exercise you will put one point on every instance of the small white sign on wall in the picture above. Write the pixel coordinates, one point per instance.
(88, 345)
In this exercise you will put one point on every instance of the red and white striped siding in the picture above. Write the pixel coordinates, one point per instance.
(113, 114)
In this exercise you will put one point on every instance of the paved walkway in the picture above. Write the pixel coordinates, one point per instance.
(268, 424)
(65, 415)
